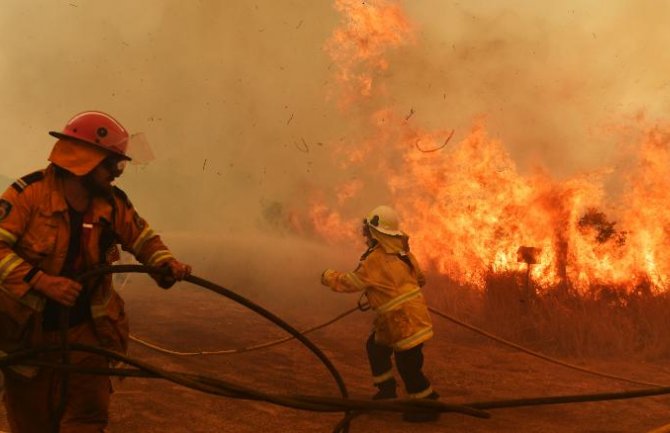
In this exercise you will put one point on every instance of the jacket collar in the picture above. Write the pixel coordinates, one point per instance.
(391, 244)
(99, 206)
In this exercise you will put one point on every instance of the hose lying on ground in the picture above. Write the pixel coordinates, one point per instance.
(217, 386)
(225, 388)
(438, 313)
(537, 354)
(253, 347)
(355, 407)
(351, 407)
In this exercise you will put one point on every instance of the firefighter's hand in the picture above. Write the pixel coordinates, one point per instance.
(326, 276)
(178, 271)
(62, 290)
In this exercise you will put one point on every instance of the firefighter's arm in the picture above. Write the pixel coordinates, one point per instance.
(355, 281)
(420, 276)
(340, 281)
(138, 238)
(16, 275)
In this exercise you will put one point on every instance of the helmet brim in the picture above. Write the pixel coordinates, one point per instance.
(62, 136)
(386, 231)
(77, 158)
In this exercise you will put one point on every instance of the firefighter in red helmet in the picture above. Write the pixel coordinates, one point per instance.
(55, 224)
(391, 279)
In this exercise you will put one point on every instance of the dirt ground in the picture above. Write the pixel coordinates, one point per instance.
(463, 368)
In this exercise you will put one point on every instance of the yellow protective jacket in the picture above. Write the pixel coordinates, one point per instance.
(34, 237)
(391, 279)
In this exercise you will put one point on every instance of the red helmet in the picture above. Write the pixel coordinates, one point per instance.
(98, 129)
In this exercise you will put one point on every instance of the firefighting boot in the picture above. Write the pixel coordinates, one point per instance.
(386, 390)
(423, 416)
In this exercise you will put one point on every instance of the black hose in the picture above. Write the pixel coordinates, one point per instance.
(235, 297)
(228, 389)
(351, 408)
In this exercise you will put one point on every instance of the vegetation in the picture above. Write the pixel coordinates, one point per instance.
(608, 321)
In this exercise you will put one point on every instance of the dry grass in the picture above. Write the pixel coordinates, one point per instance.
(609, 321)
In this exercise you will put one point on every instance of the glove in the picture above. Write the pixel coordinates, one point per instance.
(178, 271)
(326, 276)
(62, 290)
(165, 281)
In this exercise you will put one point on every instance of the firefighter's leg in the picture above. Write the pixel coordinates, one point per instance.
(382, 369)
(28, 401)
(88, 396)
(410, 364)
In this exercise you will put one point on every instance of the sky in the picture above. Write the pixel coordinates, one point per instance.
(234, 96)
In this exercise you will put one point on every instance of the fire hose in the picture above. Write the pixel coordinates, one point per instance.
(351, 407)
(253, 347)
(436, 312)
(213, 385)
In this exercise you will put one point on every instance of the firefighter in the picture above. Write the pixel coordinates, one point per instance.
(391, 279)
(55, 224)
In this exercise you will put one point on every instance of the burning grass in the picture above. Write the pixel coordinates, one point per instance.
(567, 266)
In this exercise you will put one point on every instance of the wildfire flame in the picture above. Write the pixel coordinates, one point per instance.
(358, 47)
(467, 208)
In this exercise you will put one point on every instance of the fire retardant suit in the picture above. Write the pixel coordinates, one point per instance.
(39, 232)
(391, 279)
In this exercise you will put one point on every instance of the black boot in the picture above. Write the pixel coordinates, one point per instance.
(423, 416)
(386, 390)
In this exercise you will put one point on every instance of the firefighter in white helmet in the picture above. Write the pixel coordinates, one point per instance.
(391, 279)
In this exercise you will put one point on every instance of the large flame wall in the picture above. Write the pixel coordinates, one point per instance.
(464, 202)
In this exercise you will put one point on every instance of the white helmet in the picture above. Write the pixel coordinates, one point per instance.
(384, 219)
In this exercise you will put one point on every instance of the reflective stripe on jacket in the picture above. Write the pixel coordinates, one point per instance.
(391, 280)
(34, 237)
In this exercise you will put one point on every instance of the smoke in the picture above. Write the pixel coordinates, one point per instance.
(233, 96)
(549, 78)
(225, 93)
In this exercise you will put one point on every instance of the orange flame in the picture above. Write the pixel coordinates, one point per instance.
(358, 47)
(467, 208)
